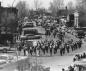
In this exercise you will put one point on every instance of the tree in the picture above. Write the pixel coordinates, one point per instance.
(70, 5)
(53, 9)
(58, 3)
(22, 9)
(37, 4)
(84, 4)
(55, 6)
(81, 4)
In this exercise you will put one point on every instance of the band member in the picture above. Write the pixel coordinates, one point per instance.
(34, 49)
(75, 46)
(19, 48)
(38, 49)
(80, 43)
(67, 48)
(72, 47)
(61, 51)
(55, 48)
(25, 49)
(43, 49)
(46, 47)
(51, 49)
(31, 50)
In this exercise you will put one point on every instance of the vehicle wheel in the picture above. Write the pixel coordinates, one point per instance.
(4, 50)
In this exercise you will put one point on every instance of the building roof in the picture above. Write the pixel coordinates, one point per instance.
(9, 9)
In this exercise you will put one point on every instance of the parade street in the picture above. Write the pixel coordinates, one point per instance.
(55, 62)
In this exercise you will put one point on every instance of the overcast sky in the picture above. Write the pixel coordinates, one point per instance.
(45, 3)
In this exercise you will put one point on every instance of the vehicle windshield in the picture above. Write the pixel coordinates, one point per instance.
(32, 31)
(28, 25)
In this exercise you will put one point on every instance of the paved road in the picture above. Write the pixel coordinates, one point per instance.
(55, 63)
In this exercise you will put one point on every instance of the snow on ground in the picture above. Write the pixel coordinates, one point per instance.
(57, 63)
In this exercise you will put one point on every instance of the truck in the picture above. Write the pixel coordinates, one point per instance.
(31, 33)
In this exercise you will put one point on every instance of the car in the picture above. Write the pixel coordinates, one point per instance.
(28, 24)
(34, 37)
(30, 37)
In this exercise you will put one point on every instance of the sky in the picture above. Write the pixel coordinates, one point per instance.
(30, 3)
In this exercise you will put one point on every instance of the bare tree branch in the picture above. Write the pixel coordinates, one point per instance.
(37, 4)
(22, 9)
(56, 5)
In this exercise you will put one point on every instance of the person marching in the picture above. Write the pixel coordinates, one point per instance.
(61, 51)
(67, 48)
(25, 49)
(34, 49)
(19, 48)
(75, 46)
(63, 48)
(51, 49)
(72, 46)
(55, 48)
(38, 49)
(46, 47)
(31, 50)
(43, 48)
(80, 43)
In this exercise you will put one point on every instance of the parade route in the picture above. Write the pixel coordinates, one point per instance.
(56, 62)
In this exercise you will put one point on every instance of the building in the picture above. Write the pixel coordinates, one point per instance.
(8, 23)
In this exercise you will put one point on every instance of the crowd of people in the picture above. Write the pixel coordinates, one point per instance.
(55, 26)
(70, 46)
(49, 23)
(50, 47)
(74, 68)
(79, 57)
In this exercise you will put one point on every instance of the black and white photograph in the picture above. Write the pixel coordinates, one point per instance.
(42, 35)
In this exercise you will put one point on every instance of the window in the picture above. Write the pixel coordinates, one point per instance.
(32, 31)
